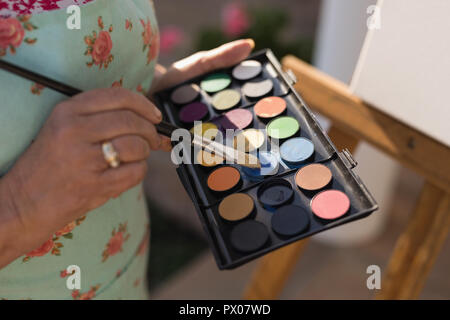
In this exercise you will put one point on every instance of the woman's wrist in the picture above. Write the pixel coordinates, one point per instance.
(11, 227)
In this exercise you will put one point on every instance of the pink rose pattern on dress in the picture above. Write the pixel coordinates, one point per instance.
(20, 7)
(154, 48)
(140, 89)
(99, 46)
(64, 273)
(12, 33)
(115, 243)
(37, 88)
(77, 295)
(150, 40)
(42, 250)
(128, 25)
(118, 84)
(53, 245)
(66, 230)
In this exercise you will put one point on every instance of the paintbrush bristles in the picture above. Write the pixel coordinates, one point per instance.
(227, 153)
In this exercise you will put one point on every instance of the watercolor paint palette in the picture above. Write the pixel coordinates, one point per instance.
(303, 187)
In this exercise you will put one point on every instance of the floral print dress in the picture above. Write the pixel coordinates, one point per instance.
(117, 45)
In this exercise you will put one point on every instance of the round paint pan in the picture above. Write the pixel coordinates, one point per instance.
(313, 177)
(185, 94)
(275, 192)
(195, 111)
(226, 99)
(247, 70)
(283, 128)
(224, 179)
(207, 130)
(295, 151)
(249, 236)
(215, 82)
(236, 119)
(330, 204)
(207, 159)
(257, 89)
(249, 140)
(290, 220)
(270, 107)
(236, 207)
(269, 167)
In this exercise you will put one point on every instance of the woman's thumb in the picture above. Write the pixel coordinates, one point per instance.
(228, 54)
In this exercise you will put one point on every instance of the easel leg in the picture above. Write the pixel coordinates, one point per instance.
(275, 268)
(418, 246)
(273, 271)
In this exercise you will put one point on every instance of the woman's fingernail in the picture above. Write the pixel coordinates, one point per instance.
(158, 113)
(251, 42)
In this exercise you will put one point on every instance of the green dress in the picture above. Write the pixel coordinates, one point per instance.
(117, 45)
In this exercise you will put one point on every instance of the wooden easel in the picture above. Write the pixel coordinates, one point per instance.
(419, 244)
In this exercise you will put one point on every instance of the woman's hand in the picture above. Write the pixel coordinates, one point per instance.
(63, 174)
(202, 62)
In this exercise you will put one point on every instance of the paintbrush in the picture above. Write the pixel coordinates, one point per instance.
(164, 128)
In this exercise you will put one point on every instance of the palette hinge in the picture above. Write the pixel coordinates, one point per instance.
(291, 77)
(350, 162)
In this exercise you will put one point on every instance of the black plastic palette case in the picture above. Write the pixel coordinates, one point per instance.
(304, 186)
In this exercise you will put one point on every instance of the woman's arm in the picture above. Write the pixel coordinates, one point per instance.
(200, 63)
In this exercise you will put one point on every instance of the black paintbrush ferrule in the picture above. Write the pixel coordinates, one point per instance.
(166, 128)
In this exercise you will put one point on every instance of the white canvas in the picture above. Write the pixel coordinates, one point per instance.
(404, 68)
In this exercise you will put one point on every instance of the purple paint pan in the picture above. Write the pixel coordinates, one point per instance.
(195, 111)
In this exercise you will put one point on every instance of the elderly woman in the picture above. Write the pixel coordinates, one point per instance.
(61, 201)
